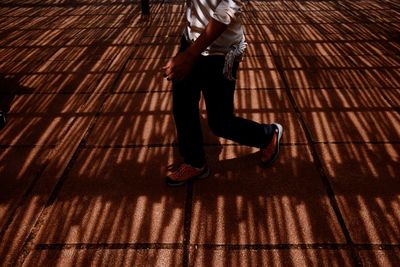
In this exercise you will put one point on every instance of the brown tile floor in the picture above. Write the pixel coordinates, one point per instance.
(90, 136)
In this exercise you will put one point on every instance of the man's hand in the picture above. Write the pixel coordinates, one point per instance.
(179, 67)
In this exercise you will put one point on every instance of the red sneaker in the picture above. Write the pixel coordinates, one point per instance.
(185, 173)
(270, 153)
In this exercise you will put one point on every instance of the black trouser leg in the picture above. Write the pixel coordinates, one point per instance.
(206, 76)
(186, 96)
(219, 96)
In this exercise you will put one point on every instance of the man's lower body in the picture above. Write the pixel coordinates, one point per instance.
(207, 78)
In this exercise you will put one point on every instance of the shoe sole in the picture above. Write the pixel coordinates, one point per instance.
(201, 176)
(277, 149)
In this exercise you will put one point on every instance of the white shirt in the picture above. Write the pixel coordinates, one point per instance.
(200, 12)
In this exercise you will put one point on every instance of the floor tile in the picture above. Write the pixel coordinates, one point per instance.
(259, 79)
(65, 82)
(340, 99)
(365, 181)
(358, 126)
(242, 203)
(47, 105)
(284, 257)
(19, 168)
(343, 78)
(142, 82)
(102, 257)
(380, 258)
(117, 196)
(393, 96)
(34, 130)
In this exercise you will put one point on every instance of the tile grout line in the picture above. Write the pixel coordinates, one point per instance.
(146, 71)
(11, 215)
(395, 107)
(209, 246)
(255, 42)
(66, 5)
(138, 92)
(189, 199)
(187, 220)
(317, 161)
(150, 145)
(187, 224)
(319, 166)
(60, 183)
(28, 245)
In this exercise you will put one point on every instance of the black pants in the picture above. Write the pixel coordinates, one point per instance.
(207, 77)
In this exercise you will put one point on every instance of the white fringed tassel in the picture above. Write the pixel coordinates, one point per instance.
(234, 55)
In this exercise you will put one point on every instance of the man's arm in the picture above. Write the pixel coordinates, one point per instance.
(178, 67)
